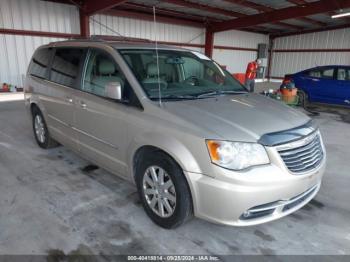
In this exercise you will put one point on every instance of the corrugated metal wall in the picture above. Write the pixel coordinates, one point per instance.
(236, 61)
(15, 55)
(35, 15)
(291, 62)
(111, 25)
(38, 15)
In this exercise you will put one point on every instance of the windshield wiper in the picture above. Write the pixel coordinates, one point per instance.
(176, 97)
(220, 92)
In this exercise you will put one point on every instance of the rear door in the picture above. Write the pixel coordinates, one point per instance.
(342, 83)
(319, 83)
(62, 81)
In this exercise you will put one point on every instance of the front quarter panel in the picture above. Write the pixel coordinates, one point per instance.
(178, 150)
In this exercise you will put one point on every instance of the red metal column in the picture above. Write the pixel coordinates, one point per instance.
(209, 42)
(84, 24)
(270, 58)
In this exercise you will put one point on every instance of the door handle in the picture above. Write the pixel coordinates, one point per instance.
(69, 99)
(83, 104)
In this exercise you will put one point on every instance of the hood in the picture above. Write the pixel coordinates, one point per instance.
(244, 117)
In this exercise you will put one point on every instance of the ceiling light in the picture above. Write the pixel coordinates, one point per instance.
(341, 15)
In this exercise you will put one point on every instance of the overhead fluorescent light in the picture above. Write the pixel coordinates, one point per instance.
(341, 15)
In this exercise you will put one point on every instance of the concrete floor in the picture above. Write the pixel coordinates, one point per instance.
(51, 203)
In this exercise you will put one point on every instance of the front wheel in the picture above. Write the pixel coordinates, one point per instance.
(163, 190)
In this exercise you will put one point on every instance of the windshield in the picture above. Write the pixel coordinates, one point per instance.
(182, 74)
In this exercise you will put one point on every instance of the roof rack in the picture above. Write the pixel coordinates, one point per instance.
(108, 38)
(119, 38)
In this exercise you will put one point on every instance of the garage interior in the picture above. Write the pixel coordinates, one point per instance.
(53, 202)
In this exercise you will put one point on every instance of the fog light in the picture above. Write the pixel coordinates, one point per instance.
(246, 214)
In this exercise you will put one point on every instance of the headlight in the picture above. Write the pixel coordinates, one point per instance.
(236, 155)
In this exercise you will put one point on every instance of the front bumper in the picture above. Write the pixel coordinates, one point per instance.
(229, 196)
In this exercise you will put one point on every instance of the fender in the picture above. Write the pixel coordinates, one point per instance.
(37, 102)
(173, 147)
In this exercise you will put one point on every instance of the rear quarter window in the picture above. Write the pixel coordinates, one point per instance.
(40, 63)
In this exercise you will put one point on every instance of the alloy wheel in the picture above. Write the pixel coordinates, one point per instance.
(159, 191)
(39, 128)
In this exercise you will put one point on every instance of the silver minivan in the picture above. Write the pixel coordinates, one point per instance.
(180, 127)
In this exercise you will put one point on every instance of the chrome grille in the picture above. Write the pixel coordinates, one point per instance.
(303, 155)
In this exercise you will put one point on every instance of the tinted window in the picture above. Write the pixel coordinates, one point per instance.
(322, 73)
(65, 66)
(328, 73)
(314, 73)
(39, 64)
(343, 74)
(101, 71)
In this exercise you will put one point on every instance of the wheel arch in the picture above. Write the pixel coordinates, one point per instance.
(166, 143)
(34, 106)
(149, 149)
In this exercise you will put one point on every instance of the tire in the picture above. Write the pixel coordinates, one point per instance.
(177, 196)
(41, 133)
(303, 99)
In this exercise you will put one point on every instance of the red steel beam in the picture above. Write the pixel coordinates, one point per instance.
(306, 19)
(149, 17)
(91, 7)
(204, 8)
(209, 42)
(146, 8)
(303, 2)
(265, 8)
(37, 33)
(321, 6)
(84, 24)
(161, 17)
(216, 10)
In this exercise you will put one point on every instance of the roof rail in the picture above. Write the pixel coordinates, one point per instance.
(119, 38)
(107, 38)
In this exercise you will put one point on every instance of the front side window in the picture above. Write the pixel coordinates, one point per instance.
(101, 71)
(179, 74)
(343, 74)
(65, 66)
(40, 62)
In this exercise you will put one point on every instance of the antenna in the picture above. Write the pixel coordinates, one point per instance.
(156, 42)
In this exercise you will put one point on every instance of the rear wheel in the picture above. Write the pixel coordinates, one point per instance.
(41, 133)
(303, 99)
(163, 190)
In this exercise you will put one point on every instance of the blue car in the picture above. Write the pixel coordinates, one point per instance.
(323, 84)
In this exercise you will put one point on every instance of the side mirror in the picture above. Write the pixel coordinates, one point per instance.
(114, 90)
